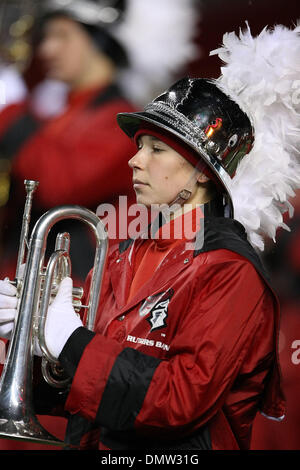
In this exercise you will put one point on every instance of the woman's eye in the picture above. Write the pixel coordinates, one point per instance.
(157, 149)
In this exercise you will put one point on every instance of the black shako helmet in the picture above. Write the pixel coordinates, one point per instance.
(201, 115)
(98, 17)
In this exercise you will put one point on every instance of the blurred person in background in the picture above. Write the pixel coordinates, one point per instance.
(79, 155)
(64, 133)
(71, 152)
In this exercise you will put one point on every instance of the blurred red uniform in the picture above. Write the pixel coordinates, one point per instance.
(79, 157)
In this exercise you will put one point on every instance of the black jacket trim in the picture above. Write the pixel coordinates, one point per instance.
(228, 234)
(73, 349)
(17, 134)
(111, 93)
(125, 244)
(78, 429)
(131, 374)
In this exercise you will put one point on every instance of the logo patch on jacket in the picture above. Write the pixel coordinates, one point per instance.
(157, 307)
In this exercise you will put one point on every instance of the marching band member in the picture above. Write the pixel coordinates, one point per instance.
(184, 350)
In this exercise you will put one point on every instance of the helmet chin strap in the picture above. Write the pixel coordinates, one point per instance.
(180, 199)
(184, 195)
(167, 210)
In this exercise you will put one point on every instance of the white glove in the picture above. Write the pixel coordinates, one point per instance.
(61, 319)
(8, 308)
(8, 305)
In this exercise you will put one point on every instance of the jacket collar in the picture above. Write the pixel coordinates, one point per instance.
(121, 273)
(180, 257)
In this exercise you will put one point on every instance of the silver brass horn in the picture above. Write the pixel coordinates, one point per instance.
(17, 417)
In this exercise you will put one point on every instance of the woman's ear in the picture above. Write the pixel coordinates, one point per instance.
(202, 178)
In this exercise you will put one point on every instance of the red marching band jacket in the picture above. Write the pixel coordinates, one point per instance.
(192, 357)
(188, 361)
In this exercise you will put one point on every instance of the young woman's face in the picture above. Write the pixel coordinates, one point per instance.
(159, 172)
(65, 49)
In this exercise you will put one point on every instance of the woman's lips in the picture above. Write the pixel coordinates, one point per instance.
(138, 183)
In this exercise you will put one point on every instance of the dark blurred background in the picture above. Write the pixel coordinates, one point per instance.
(220, 16)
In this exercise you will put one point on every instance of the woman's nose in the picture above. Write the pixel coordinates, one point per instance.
(137, 160)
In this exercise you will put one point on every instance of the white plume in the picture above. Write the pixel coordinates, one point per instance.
(262, 74)
(12, 85)
(49, 98)
(159, 38)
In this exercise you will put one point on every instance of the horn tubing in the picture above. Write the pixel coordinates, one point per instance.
(16, 379)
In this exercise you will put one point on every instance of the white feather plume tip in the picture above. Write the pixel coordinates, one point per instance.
(159, 38)
(262, 74)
